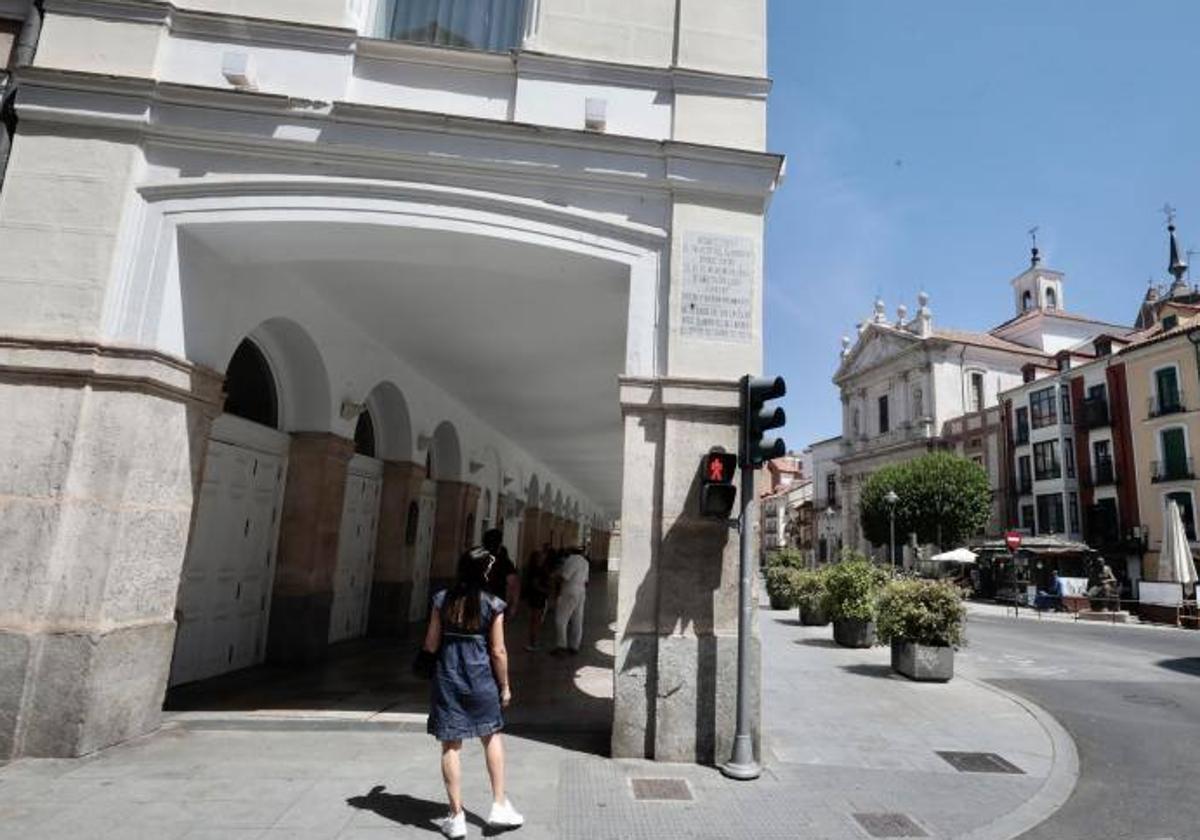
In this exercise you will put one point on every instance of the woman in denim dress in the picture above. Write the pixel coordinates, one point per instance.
(470, 686)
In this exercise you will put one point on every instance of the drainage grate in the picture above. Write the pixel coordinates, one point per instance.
(976, 762)
(889, 825)
(662, 789)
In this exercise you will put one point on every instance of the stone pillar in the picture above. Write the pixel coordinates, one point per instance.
(676, 663)
(455, 500)
(308, 546)
(614, 548)
(391, 587)
(531, 532)
(101, 453)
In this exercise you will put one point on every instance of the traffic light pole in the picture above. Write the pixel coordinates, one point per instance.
(742, 764)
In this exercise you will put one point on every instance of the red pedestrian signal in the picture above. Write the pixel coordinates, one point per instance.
(717, 493)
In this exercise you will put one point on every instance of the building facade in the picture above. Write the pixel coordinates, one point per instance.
(299, 296)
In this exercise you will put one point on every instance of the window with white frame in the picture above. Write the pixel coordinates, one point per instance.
(488, 25)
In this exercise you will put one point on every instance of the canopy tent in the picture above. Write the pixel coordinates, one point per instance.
(958, 555)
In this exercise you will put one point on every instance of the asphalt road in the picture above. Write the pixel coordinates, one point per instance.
(1129, 696)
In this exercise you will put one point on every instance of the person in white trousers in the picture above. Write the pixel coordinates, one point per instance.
(572, 596)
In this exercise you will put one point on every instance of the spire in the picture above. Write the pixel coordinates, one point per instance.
(1035, 256)
(1178, 266)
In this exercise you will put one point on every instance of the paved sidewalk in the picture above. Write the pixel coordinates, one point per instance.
(844, 737)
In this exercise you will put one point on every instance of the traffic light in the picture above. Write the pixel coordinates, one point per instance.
(717, 492)
(758, 418)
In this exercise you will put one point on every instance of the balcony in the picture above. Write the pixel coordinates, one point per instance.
(1102, 474)
(1177, 469)
(1170, 402)
(1094, 414)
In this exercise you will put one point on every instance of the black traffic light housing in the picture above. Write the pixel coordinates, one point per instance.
(717, 491)
(757, 418)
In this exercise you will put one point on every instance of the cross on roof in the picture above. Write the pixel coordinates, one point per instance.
(1033, 232)
(1169, 212)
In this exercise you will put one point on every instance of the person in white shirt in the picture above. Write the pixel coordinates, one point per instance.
(572, 595)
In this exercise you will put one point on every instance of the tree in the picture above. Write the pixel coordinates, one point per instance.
(944, 498)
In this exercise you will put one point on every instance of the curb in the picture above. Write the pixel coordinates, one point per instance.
(1054, 792)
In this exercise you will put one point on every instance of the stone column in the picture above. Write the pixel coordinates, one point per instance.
(677, 612)
(531, 536)
(614, 548)
(455, 499)
(391, 587)
(308, 546)
(101, 453)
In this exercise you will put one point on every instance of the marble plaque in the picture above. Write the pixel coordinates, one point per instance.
(718, 287)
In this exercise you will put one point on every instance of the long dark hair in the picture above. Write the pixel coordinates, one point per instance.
(461, 609)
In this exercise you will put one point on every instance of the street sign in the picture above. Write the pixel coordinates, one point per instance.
(1012, 539)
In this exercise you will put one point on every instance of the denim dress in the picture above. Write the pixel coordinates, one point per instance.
(465, 699)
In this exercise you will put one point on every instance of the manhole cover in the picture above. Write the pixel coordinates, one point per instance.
(978, 762)
(668, 789)
(889, 825)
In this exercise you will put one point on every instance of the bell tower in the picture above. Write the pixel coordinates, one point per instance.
(1037, 287)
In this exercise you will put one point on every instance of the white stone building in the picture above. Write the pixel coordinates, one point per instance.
(909, 387)
(299, 296)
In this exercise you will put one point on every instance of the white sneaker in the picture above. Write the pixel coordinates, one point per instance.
(453, 825)
(504, 815)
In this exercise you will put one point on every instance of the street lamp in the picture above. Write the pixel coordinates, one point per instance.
(891, 498)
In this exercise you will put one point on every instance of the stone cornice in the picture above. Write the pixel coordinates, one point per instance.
(300, 129)
(97, 365)
(718, 397)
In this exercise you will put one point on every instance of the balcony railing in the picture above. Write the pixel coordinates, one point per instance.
(1102, 475)
(1170, 402)
(1176, 469)
(1094, 414)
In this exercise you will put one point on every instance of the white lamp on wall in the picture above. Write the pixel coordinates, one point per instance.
(238, 70)
(595, 113)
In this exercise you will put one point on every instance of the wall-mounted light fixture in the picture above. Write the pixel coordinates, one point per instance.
(351, 409)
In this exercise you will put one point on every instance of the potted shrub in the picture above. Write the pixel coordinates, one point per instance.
(779, 575)
(923, 621)
(808, 590)
(852, 587)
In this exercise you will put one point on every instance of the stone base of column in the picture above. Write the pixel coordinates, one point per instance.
(72, 693)
(676, 698)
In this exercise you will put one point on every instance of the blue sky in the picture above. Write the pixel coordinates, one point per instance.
(925, 137)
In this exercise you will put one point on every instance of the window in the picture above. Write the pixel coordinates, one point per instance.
(1073, 511)
(1045, 460)
(1050, 514)
(1184, 500)
(1102, 467)
(1028, 522)
(1170, 322)
(1024, 479)
(1022, 425)
(883, 415)
(977, 392)
(491, 25)
(1026, 301)
(1174, 455)
(1097, 392)
(1069, 456)
(1066, 404)
(1167, 395)
(1041, 408)
(1051, 299)
(831, 490)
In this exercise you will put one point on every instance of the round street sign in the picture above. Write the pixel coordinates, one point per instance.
(1012, 539)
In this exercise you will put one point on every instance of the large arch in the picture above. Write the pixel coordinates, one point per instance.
(445, 450)
(393, 426)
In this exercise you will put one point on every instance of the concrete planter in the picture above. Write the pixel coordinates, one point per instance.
(853, 632)
(812, 615)
(923, 663)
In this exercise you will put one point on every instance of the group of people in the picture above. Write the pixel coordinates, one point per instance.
(465, 635)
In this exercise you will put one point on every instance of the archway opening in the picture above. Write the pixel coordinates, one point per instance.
(250, 391)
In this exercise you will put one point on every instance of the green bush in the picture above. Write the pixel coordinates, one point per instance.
(788, 558)
(779, 587)
(852, 588)
(927, 612)
(808, 588)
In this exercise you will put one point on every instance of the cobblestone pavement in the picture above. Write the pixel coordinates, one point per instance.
(844, 738)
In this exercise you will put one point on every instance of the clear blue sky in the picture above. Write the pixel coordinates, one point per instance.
(925, 137)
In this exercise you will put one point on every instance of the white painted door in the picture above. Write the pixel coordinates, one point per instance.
(423, 556)
(356, 549)
(225, 587)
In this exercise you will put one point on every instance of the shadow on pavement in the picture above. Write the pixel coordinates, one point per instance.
(404, 809)
(1187, 665)
(789, 620)
(863, 669)
(823, 643)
